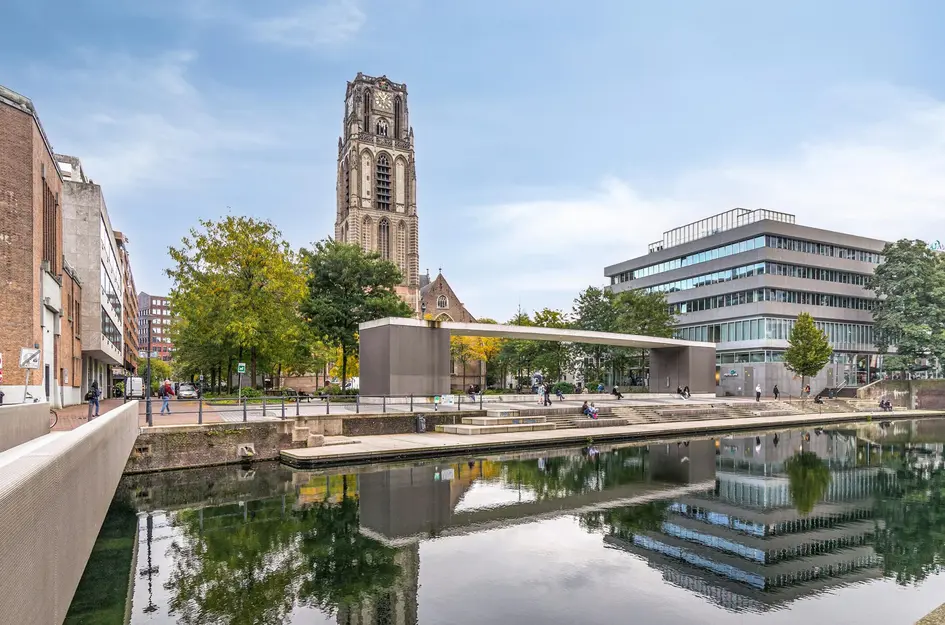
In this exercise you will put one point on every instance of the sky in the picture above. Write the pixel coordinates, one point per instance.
(553, 138)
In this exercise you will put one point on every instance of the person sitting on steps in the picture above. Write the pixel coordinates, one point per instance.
(589, 410)
(616, 393)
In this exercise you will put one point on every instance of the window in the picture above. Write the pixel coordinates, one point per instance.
(383, 239)
(366, 231)
(382, 183)
(381, 127)
(366, 110)
(398, 115)
(442, 302)
(401, 258)
(51, 227)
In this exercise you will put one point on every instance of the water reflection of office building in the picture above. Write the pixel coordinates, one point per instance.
(746, 546)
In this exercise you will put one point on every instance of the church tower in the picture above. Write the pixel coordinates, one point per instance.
(377, 177)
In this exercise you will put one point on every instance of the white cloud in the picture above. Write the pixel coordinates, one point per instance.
(144, 122)
(885, 179)
(323, 25)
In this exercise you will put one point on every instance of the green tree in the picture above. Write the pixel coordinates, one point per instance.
(160, 371)
(808, 348)
(237, 287)
(644, 314)
(594, 310)
(553, 358)
(347, 287)
(910, 307)
(516, 355)
(808, 479)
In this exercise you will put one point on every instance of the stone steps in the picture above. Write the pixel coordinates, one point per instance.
(465, 429)
(508, 420)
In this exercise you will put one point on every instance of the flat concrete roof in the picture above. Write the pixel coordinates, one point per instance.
(536, 334)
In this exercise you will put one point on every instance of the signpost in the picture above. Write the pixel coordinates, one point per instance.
(29, 360)
(240, 369)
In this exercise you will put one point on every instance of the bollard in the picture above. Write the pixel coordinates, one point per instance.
(244, 410)
(297, 402)
(327, 404)
(357, 404)
(480, 400)
(282, 403)
(384, 404)
(459, 403)
(264, 406)
(200, 410)
(411, 402)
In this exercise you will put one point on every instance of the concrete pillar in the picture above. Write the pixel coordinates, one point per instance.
(405, 360)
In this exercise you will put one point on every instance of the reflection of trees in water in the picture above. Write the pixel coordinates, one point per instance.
(254, 572)
(563, 476)
(808, 479)
(627, 521)
(911, 539)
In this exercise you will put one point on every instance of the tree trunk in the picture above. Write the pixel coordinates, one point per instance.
(344, 366)
(279, 375)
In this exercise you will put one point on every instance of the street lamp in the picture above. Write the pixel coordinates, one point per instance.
(147, 401)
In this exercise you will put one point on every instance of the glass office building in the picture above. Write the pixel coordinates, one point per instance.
(740, 279)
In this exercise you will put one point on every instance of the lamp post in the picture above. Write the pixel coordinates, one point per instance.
(147, 402)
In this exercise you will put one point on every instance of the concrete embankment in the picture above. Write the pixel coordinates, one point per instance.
(54, 493)
(430, 445)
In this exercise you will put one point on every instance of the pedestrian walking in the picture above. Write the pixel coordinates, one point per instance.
(758, 393)
(777, 392)
(165, 391)
(93, 398)
(547, 395)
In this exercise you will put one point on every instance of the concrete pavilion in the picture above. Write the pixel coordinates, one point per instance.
(402, 356)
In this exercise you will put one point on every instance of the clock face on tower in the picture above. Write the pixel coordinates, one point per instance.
(382, 100)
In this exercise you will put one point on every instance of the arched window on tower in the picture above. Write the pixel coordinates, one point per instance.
(401, 257)
(381, 128)
(366, 110)
(398, 117)
(382, 183)
(383, 239)
(367, 230)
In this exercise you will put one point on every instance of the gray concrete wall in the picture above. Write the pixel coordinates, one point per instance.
(680, 367)
(53, 499)
(748, 375)
(403, 360)
(22, 422)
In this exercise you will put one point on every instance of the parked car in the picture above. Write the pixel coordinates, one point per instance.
(186, 391)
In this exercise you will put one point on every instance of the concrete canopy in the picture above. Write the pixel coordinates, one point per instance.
(401, 356)
(537, 334)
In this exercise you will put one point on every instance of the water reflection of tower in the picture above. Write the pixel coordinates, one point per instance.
(745, 545)
(394, 606)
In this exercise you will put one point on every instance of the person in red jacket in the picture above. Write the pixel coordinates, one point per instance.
(165, 392)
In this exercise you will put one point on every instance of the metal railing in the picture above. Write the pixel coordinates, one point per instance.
(231, 409)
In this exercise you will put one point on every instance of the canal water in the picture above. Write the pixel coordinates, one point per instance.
(835, 525)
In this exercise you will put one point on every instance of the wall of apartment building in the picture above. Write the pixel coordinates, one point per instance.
(129, 307)
(157, 309)
(88, 245)
(30, 249)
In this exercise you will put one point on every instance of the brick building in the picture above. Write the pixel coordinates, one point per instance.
(32, 275)
(157, 308)
(438, 301)
(129, 301)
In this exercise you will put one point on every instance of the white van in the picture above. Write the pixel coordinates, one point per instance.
(134, 388)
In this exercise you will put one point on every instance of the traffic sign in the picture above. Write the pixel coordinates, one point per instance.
(29, 358)
(241, 367)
